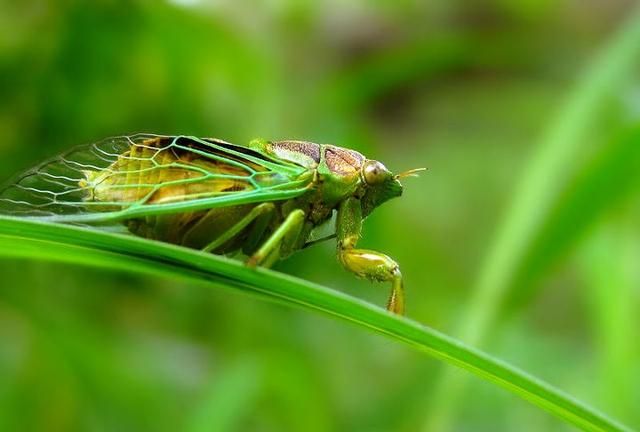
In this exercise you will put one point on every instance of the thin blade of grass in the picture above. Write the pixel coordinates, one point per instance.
(31, 239)
(533, 199)
(609, 179)
(609, 263)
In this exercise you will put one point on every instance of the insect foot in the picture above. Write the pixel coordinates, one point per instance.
(377, 267)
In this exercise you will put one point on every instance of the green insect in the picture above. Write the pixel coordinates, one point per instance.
(266, 199)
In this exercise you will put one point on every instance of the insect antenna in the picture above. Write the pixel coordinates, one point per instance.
(410, 173)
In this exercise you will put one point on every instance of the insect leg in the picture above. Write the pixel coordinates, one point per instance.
(286, 234)
(255, 213)
(257, 233)
(368, 264)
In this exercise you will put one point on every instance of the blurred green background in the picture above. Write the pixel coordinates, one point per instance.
(521, 238)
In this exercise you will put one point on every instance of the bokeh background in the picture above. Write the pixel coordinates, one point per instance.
(521, 238)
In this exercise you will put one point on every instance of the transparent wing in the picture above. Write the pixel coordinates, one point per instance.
(132, 176)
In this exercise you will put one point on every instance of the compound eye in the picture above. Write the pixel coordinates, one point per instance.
(375, 172)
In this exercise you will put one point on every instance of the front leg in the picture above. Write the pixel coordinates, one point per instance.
(368, 264)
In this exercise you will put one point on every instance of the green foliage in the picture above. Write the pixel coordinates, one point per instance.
(542, 222)
(21, 238)
(523, 231)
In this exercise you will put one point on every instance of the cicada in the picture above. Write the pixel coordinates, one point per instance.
(264, 200)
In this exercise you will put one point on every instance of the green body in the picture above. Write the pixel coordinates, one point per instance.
(264, 200)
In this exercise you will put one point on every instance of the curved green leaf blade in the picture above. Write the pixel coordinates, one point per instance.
(610, 178)
(23, 238)
(535, 198)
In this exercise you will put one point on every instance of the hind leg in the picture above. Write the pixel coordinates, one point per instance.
(284, 239)
(263, 211)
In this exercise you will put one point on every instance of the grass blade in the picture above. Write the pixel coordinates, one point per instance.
(30, 239)
(535, 197)
(608, 180)
(610, 280)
